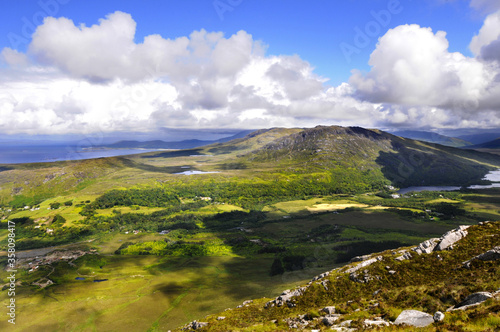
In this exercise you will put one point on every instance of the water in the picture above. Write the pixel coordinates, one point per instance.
(493, 176)
(427, 188)
(36, 154)
(194, 172)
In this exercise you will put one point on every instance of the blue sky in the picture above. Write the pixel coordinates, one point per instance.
(312, 29)
(304, 51)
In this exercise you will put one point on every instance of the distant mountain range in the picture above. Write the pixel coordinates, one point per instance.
(494, 144)
(432, 137)
(159, 144)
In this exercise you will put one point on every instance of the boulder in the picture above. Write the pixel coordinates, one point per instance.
(364, 264)
(330, 320)
(490, 255)
(375, 323)
(414, 318)
(328, 310)
(438, 316)
(451, 237)
(426, 247)
(474, 299)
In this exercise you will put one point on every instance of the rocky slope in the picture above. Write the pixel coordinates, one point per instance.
(446, 284)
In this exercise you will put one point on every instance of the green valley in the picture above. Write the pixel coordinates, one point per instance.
(153, 241)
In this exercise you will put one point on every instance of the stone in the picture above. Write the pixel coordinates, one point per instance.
(364, 264)
(426, 247)
(328, 310)
(473, 299)
(221, 318)
(490, 255)
(330, 321)
(438, 316)
(414, 318)
(375, 323)
(195, 325)
(451, 237)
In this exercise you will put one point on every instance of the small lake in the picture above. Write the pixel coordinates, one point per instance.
(194, 172)
(493, 176)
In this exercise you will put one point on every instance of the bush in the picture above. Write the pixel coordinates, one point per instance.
(55, 206)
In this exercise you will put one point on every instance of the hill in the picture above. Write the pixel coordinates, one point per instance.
(494, 144)
(159, 144)
(450, 283)
(373, 154)
(432, 138)
(282, 162)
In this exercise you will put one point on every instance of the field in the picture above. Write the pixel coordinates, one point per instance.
(187, 288)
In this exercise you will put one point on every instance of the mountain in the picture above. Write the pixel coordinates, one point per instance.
(495, 144)
(446, 284)
(159, 144)
(481, 137)
(368, 155)
(431, 137)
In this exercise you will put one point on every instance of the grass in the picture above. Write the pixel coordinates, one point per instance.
(181, 289)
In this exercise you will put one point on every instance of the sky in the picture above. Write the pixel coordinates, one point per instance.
(85, 67)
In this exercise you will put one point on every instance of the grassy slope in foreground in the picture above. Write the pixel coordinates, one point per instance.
(427, 282)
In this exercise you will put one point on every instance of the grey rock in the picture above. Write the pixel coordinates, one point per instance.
(391, 272)
(406, 255)
(451, 237)
(221, 318)
(473, 299)
(438, 316)
(195, 325)
(286, 298)
(490, 255)
(375, 323)
(359, 258)
(414, 318)
(328, 310)
(364, 264)
(330, 320)
(426, 247)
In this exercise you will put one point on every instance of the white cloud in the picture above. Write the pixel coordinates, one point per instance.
(412, 66)
(79, 79)
(485, 5)
(486, 44)
(14, 58)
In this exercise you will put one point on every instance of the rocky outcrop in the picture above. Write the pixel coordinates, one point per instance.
(195, 325)
(363, 264)
(414, 318)
(451, 237)
(286, 298)
(472, 300)
(490, 255)
(426, 247)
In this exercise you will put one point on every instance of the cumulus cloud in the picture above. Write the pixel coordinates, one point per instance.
(418, 80)
(411, 65)
(485, 5)
(99, 78)
(486, 44)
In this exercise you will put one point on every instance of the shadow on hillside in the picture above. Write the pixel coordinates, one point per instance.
(5, 168)
(176, 153)
(410, 167)
(156, 169)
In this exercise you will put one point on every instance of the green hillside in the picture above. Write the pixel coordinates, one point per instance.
(374, 292)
